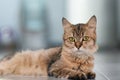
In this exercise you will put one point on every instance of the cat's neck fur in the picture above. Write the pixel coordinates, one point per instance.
(72, 57)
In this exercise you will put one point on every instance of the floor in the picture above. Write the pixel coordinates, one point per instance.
(108, 64)
(107, 67)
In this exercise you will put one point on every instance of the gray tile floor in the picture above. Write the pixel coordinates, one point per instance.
(108, 63)
(107, 67)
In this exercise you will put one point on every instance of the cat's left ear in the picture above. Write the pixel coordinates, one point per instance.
(92, 23)
(66, 24)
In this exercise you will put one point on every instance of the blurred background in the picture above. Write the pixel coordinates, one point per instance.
(36, 24)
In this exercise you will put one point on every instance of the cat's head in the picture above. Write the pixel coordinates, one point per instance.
(80, 38)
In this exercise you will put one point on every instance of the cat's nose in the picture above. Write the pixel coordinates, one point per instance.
(78, 45)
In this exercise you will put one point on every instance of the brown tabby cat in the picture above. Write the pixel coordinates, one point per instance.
(77, 60)
(74, 60)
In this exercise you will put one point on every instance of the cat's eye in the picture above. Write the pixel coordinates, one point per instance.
(72, 39)
(86, 38)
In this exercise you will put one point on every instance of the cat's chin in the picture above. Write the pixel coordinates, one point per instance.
(80, 52)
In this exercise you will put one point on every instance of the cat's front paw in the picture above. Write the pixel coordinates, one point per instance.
(80, 76)
(91, 75)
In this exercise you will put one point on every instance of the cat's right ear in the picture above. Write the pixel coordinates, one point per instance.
(92, 23)
(66, 24)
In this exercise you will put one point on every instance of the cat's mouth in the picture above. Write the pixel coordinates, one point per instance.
(80, 51)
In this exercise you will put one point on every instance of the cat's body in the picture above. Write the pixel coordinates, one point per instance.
(70, 65)
(74, 60)
(30, 62)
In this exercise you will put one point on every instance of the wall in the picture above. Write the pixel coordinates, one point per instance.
(10, 13)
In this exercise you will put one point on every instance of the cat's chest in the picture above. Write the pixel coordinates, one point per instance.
(82, 65)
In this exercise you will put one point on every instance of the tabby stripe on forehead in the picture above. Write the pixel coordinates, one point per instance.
(78, 28)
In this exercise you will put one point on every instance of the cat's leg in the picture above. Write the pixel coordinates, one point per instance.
(87, 68)
(53, 51)
(68, 73)
(53, 54)
(91, 75)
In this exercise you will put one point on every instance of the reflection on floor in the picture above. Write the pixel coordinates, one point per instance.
(107, 63)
